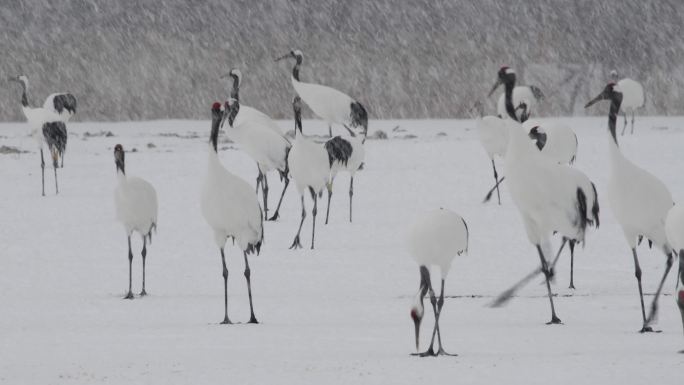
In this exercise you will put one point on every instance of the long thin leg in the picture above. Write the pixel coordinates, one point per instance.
(351, 194)
(55, 165)
(264, 185)
(313, 221)
(440, 304)
(130, 271)
(637, 274)
(425, 275)
(654, 304)
(624, 114)
(547, 273)
(226, 320)
(632, 122)
(42, 169)
(330, 130)
(276, 215)
(491, 191)
(295, 243)
(506, 295)
(496, 181)
(144, 257)
(258, 179)
(572, 263)
(248, 274)
(330, 192)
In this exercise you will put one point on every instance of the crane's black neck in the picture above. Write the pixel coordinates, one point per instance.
(295, 69)
(234, 109)
(215, 123)
(297, 107)
(615, 102)
(508, 92)
(120, 163)
(235, 92)
(24, 95)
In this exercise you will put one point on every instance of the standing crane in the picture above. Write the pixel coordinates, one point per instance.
(639, 200)
(331, 105)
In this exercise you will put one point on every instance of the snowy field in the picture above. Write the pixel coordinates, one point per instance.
(335, 315)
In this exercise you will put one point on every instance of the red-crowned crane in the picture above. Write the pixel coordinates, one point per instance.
(329, 104)
(231, 208)
(310, 168)
(48, 124)
(434, 240)
(136, 208)
(268, 148)
(639, 200)
(551, 198)
(632, 97)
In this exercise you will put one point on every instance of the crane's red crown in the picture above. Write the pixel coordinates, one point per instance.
(216, 106)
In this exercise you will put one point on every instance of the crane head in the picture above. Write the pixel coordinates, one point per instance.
(23, 79)
(609, 93)
(294, 54)
(506, 75)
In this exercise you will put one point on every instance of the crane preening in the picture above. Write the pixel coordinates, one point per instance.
(48, 124)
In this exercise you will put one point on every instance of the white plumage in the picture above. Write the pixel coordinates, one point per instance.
(329, 104)
(230, 207)
(247, 113)
(48, 124)
(267, 147)
(310, 168)
(530, 96)
(344, 154)
(493, 136)
(632, 97)
(558, 141)
(639, 200)
(434, 240)
(551, 198)
(136, 208)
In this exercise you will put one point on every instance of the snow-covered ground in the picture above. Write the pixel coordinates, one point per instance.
(335, 315)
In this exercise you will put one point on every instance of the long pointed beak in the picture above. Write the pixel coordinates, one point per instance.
(287, 55)
(416, 323)
(496, 85)
(594, 101)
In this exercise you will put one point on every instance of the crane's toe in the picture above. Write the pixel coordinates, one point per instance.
(555, 321)
(648, 329)
(143, 293)
(129, 296)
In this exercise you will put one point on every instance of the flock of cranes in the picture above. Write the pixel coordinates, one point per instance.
(552, 197)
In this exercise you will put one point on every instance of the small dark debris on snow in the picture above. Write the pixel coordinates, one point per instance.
(660, 128)
(441, 134)
(409, 136)
(398, 129)
(89, 134)
(151, 145)
(134, 149)
(11, 150)
(191, 135)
